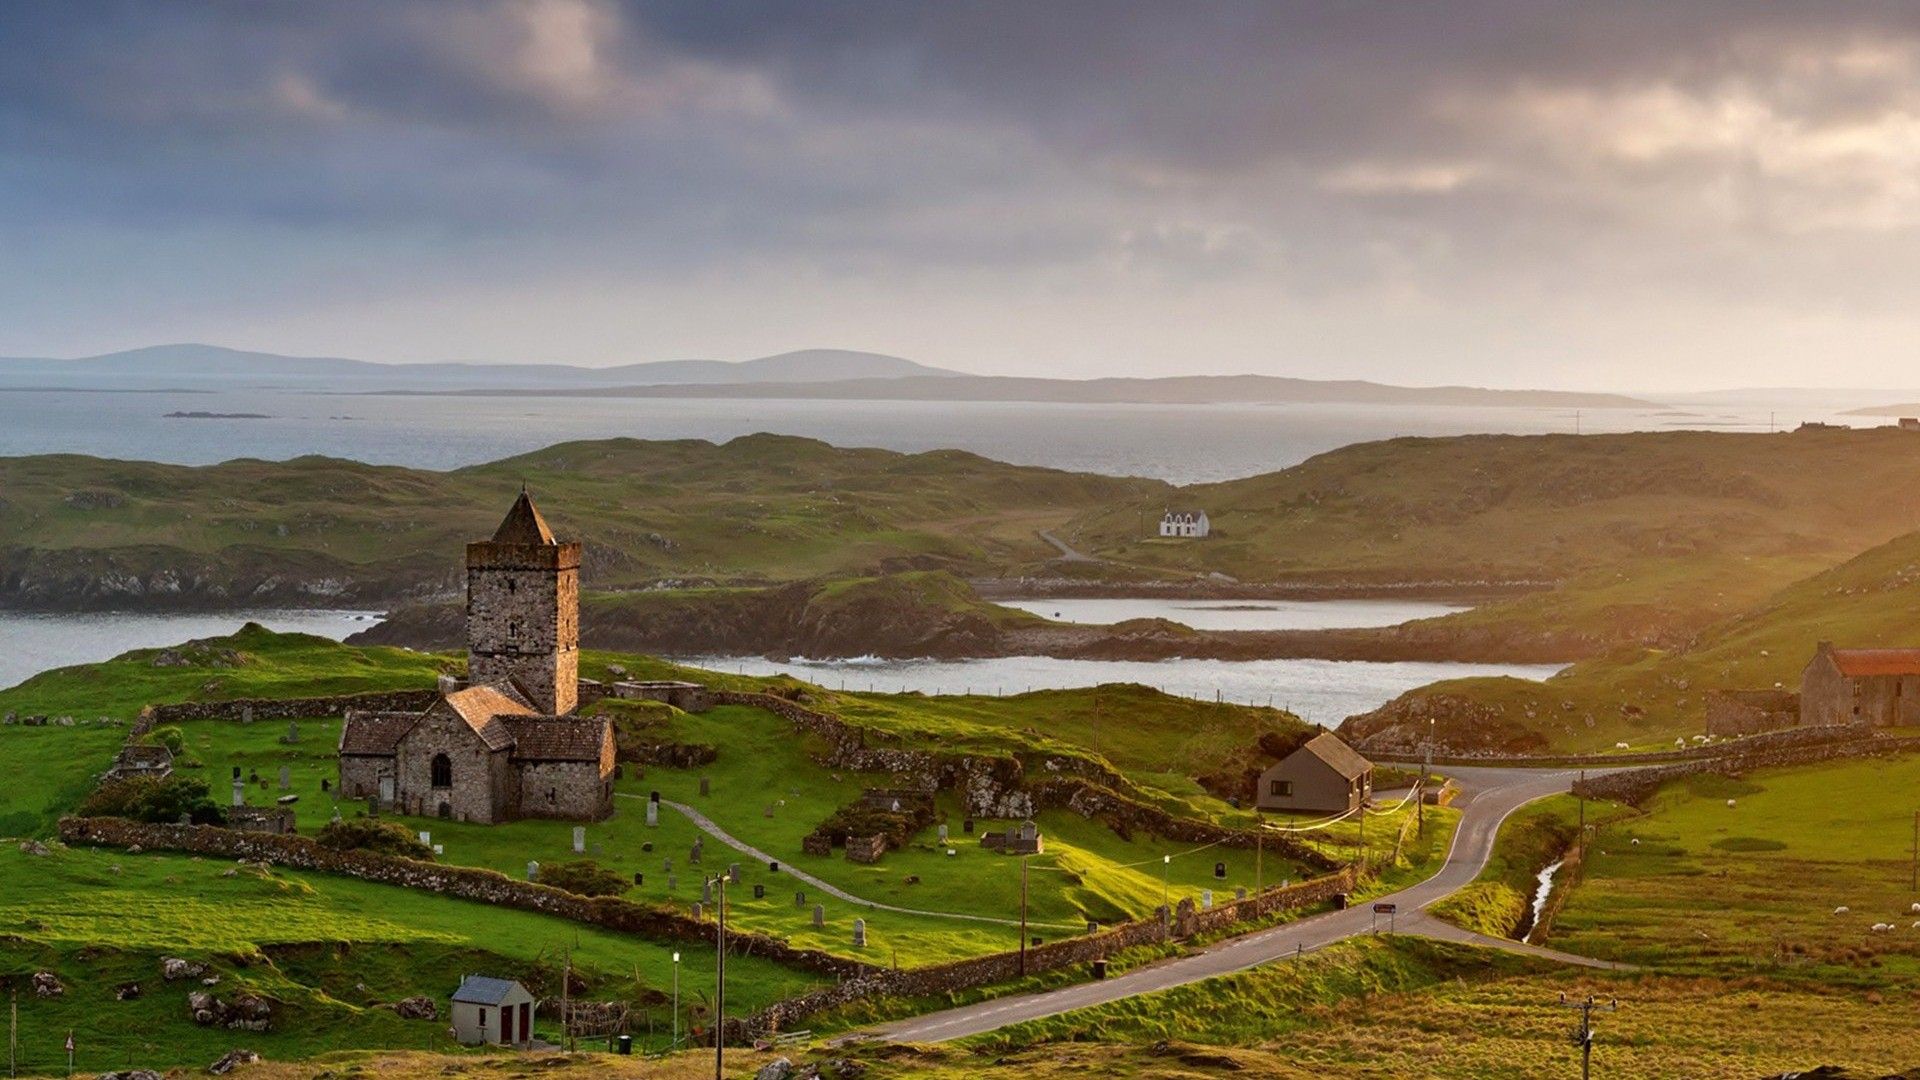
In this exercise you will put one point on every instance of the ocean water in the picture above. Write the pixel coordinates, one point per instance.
(1319, 691)
(37, 642)
(1235, 614)
(1182, 444)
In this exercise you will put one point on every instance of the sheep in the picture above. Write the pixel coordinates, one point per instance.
(1842, 910)
(1620, 746)
(1881, 927)
(1913, 909)
(1635, 841)
(1680, 741)
(1729, 804)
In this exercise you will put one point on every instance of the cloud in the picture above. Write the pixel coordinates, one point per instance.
(1356, 176)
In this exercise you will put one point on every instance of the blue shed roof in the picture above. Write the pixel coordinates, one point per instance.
(482, 990)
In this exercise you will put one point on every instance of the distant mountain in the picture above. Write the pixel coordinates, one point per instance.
(195, 365)
(1180, 390)
(1886, 410)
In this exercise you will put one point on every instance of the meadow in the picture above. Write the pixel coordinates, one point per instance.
(329, 951)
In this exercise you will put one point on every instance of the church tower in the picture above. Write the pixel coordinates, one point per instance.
(523, 611)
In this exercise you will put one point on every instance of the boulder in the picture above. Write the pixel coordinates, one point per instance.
(33, 847)
(46, 984)
(418, 1007)
(126, 991)
(132, 1074)
(231, 1060)
(172, 968)
(777, 1069)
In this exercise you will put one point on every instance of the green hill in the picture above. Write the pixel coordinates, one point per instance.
(1641, 695)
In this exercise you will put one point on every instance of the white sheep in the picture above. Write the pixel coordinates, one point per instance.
(1842, 910)
(1700, 738)
(1913, 909)
(1619, 746)
(1882, 927)
(1635, 841)
(1729, 804)
(1680, 740)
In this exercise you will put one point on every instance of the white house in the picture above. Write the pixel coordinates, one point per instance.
(494, 1011)
(1192, 523)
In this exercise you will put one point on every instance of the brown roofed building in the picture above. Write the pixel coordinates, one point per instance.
(1325, 776)
(1880, 687)
(508, 745)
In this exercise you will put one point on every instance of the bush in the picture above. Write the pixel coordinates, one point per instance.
(371, 834)
(583, 876)
(170, 737)
(158, 802)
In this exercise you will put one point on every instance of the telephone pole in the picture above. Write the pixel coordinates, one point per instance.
(1915, 885)
(1023, 915)
(720, 984)
(1583, 1035)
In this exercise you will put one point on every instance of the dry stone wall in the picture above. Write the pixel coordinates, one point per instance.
(285, 708)
(1636, 785)
(1791, 737)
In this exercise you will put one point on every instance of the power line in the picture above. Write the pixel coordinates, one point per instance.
(1582, 1036)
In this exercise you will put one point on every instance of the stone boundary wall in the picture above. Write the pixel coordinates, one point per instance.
(462, 882)
(1069, 952)
(284, 708)
(1789, 738)
(1636, 785)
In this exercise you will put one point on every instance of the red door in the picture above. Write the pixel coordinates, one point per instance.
(526, 1021)
(506, 1025)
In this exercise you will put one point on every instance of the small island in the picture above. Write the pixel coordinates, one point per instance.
(196, 415)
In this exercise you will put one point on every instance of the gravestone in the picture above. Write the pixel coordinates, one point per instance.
(325, 784)
(533, 870)
(759, 892)
(819, 915)
(647, 847)
(693, 854)
(293, 731)
(698, 910)
(733, 872)
(706, 786)
(426, 838)
(239, 792)
(439, 850)
(336, 812)
(653, 815)
(1220, 870)
(373, 806)
(1240, 893)
(579, 839)
(1092, 927)
(667, 864)
(799, 899)
(246, 714)
(967, 826)
(639, 879)
(859, 933)
(943, 833)
(773, 867)
(673, 882)
(1206, 899)
(706, 891)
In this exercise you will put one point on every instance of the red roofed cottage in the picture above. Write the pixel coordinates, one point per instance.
(1880, 687)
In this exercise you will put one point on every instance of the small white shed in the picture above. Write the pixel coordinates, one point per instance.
(493, 1011)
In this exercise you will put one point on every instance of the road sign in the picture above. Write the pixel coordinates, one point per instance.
(69, 1042)
(1385, 909)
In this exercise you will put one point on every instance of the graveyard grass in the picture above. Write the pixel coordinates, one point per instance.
(328, 950)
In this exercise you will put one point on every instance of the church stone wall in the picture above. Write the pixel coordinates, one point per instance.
(360, 775)
(574, 790)
(471, 798)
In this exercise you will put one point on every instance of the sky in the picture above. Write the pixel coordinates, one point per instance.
(1632, 196)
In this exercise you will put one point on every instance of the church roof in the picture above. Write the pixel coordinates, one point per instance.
(375, 734)
(524, 526)
(484, 707)
(557, 738)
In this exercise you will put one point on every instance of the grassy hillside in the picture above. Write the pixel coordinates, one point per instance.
(1644, 695)
(759, 508)
(1539, 508)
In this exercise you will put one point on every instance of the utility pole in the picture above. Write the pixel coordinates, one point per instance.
(720, 985)
(1915, 886)
(1583, 1035)
(1023, 914)
(1166, 890)
(1426, 770)
(1259, 853)
(675, 1044)
(13, 1035)
(1582, 799)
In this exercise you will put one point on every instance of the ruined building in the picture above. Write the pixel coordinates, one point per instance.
(508, 744)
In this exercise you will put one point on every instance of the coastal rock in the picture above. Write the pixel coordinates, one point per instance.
(416, 1008)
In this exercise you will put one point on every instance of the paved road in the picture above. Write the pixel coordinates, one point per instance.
(707, 825)
(1489, 796)
(1067, 553)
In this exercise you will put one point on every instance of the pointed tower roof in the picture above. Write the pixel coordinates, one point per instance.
(524, 525)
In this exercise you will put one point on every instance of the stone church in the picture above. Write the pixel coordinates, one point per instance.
(508, 743)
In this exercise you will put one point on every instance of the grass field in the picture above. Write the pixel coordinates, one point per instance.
(1700, 886)
(328, 950)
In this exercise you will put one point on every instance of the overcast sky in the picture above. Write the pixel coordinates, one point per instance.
(1622, 196)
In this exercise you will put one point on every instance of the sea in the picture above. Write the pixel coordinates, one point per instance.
(1183, 444)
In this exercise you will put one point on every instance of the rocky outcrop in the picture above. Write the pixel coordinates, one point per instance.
(161, 578)
(416, 1008)
(244, 1012)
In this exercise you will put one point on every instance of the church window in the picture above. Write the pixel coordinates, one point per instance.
(442, 771)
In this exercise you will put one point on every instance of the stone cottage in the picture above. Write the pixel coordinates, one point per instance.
(509, 743)
(1880, 687)
(1325, 776)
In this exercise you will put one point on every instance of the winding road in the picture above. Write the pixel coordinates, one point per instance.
(1489, 795)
